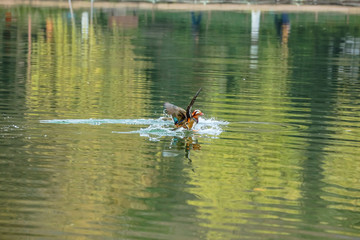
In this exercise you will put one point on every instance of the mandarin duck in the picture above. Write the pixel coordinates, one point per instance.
(182, 118)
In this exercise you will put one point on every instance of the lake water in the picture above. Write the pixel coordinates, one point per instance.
(84, 153)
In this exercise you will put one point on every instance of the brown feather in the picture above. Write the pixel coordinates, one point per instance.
(175, 111)
(188, 109)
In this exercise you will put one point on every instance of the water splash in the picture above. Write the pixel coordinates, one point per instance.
(156, 129)
(206, 128)
(92, 121)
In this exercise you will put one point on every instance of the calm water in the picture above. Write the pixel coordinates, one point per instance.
(85, 155)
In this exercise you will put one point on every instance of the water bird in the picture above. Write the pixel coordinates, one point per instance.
(184, 118)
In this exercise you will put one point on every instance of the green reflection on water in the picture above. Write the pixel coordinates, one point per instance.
(285, 167)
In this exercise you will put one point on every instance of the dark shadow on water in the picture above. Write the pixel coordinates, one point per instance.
(282, 25)
(196, 25)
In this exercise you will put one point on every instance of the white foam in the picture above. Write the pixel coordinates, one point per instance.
(92, 121)
(206, 128)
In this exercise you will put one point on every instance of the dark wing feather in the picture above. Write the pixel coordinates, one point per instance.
(177, 113)
(188, 109)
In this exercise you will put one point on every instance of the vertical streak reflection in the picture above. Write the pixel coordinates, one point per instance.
(255, 25)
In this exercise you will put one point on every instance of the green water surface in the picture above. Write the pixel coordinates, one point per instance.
(277, 156)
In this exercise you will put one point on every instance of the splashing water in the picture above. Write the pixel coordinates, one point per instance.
(92, 121)
(157, 127)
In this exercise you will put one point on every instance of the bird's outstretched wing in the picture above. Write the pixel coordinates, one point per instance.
(177, 113)
(188, 109)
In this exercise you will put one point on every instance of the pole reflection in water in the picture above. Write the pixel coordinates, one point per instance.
(255, 27)
(71, 13)
(85, 25)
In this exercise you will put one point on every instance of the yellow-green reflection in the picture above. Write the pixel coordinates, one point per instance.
(85, 72)
(284, 167)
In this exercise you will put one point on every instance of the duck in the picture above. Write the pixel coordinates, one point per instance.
(184, 118)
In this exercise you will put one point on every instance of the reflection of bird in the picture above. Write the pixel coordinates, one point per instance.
(182, 118)
(187, 143)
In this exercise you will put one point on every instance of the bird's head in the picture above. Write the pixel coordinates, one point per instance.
(196, 114)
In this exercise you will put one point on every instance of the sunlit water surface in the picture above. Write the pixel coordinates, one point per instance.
(85, 153)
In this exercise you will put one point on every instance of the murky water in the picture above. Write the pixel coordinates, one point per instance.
(85, 153)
